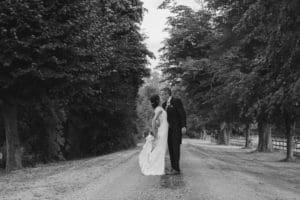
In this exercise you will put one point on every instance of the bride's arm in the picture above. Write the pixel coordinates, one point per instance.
(154, 121)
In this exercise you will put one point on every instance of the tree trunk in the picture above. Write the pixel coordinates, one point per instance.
(13, 148)
(74, 137)
(290, 133)
(265, 137)
(225, 132)
(204, 134)
(247, 136)
(54, 133)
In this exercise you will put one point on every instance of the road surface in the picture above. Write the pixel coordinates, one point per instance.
(209, 172)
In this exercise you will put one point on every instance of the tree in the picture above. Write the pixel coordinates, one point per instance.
(246, 66)
(194, 55)
(108, 115)
(40, 45)
(86, 57)
(270, 31)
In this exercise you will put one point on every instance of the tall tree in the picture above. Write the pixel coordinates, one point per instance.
(40, 45)
(84, 56)
(249, 70)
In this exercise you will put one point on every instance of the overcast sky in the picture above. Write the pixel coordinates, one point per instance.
(155, 21)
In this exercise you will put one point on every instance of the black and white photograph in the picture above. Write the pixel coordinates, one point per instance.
(149, 100)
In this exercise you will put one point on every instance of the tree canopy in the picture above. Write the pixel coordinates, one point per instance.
(237, 61)
(70, 74)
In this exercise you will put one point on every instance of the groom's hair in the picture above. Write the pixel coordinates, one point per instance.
(168, 90)
(154, 99)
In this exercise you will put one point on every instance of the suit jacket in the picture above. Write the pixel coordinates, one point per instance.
(176, 114)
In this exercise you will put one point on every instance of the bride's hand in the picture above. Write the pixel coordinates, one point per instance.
(157, 123)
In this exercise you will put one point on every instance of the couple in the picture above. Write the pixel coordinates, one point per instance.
(170, 118)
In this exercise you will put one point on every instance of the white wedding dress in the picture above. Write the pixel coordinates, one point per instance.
(152, 156)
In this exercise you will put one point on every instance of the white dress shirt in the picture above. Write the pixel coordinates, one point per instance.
(169, 102)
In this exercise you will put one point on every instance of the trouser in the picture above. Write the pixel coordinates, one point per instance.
(174, 142)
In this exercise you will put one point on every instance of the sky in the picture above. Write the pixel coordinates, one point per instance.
(154, 23)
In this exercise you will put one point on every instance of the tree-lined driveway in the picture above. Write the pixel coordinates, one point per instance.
(210, 172)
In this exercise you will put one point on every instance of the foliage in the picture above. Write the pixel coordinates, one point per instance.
(73, 68)
(237, 60)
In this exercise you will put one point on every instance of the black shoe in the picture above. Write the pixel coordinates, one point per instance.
(169, 171)
(173, 172)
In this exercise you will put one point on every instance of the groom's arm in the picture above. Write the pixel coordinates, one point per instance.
(182, 114)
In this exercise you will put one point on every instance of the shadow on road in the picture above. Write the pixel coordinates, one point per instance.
(172, 181)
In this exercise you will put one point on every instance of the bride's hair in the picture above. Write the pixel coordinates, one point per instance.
(154, 99)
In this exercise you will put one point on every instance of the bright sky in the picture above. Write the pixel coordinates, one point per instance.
(155, 21)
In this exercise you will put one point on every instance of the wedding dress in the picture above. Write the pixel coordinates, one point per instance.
(152, 156)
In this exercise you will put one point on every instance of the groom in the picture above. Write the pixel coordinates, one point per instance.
(177, 127)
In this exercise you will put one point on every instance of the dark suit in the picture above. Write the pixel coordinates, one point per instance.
(176, 120)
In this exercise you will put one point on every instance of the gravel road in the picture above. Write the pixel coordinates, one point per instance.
(210, 172)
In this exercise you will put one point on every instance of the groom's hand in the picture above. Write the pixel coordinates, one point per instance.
(183, 130)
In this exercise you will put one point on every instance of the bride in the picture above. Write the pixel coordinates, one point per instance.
(152, 156)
